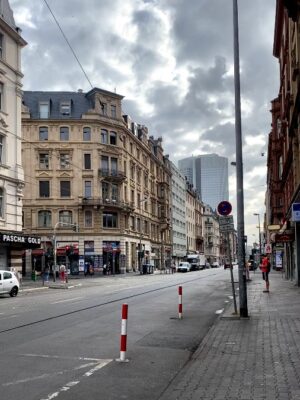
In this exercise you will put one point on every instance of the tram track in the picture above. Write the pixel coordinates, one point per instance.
(102, 304)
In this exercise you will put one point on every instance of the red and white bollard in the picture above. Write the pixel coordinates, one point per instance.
(123, 343)
(180, 302)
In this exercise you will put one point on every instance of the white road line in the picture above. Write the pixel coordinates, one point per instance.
(66, 300)
(69, 385)
(10, 316)
(220, 311)
(60, 357)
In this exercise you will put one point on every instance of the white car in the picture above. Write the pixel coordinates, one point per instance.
(184, 267)
(9, 283)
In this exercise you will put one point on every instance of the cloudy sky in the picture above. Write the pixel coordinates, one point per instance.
(173, 62)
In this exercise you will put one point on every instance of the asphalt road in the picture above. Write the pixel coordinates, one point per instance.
(63, 344)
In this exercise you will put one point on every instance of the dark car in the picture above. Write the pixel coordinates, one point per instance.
(226, 265)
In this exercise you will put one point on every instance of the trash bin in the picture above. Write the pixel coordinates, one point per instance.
(33, 275)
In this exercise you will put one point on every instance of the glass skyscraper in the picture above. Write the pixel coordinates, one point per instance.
(209, 175)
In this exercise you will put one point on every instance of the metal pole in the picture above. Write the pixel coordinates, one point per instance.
(239, 169)
(55, 257)
(140, 255)
(231, 272)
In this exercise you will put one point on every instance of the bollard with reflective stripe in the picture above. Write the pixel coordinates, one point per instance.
(180, 302)
(123, 343)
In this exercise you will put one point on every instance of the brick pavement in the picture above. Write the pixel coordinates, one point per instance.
(248, 359)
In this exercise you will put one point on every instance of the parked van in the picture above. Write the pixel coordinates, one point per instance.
(9, 283)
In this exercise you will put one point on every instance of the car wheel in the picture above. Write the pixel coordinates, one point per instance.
(13, 292)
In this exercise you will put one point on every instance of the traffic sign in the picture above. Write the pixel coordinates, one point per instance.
(224, 208)
(226, 220)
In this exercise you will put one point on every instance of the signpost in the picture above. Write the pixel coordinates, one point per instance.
(226, 225)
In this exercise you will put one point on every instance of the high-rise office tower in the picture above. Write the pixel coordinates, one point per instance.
(209, 175)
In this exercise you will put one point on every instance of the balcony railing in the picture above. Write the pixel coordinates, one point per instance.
(112, 174)
(107, 202)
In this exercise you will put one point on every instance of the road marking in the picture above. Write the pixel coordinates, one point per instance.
(220, 311)
(10, 316)
(69, 385)
(65, 300)
(60, 357)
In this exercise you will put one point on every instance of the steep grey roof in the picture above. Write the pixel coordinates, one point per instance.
(7, 14)
(79, 103)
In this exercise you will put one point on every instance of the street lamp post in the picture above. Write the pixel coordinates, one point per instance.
(239, 168)
(258, 216)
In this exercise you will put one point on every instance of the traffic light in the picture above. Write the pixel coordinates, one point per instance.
(68, 251)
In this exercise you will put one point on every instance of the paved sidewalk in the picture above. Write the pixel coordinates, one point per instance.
(248, 359)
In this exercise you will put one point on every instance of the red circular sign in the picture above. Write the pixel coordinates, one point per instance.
(224, 208)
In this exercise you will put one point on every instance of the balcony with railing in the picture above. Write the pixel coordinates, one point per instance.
(109, 202)
(111, 174)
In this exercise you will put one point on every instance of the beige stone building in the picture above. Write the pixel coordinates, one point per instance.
(97, 186)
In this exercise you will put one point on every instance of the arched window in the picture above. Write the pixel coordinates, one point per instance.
(44, 219)
(86, 134)
(43, 133)
(65, 216)
(113, 138)
(64, 133)
(104, 136)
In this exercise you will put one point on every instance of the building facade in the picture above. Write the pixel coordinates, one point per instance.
(12, 241)
(211, 235)
(96, 184)
(208, 174)
(178, 214)
(283, 148)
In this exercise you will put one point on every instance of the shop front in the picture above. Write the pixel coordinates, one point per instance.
(112, 260)
(12, 248)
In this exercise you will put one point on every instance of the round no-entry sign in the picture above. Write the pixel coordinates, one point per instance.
(224, 208)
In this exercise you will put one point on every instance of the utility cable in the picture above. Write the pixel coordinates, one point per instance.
(69, 44)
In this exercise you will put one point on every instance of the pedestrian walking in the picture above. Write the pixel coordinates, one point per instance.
(265, 267)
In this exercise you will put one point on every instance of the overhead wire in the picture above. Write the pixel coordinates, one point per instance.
(68, 42)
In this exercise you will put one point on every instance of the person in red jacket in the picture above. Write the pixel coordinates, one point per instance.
(265, 267)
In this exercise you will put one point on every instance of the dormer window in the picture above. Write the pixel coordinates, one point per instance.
(65, 108)
(44, 109)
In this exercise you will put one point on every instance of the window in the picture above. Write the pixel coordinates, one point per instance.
(65, 188)
(65, 216)
(104, 136)
(105, 191)
(64, 160)
(87, 161)
(104, 108)
(44, 110)
(113, 110)
(43, 133)
(44, 160)
(132, 170)
(88, 219)
(1, 203)
(2, 139)
(87, 188)
(138, 224)
(113, 138)
(114, 165)
(110, 220)
(86, 134)
(64, 133)
(132, 224)
(44, 219)
(44, 187)
(114, 192)
(104, 164)
(65, 108)
(7, 275)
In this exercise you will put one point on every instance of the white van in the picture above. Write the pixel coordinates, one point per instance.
(9, 283)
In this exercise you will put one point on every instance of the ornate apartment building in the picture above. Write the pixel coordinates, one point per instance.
(12, 241)
(284, 139)
(211, 235)
(97, 186)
